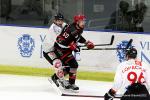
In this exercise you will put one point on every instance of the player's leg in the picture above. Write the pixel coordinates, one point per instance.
(71, 61)
(72, 75)
(66, 70)
(51, 57)
(48, 56)
(61, 53)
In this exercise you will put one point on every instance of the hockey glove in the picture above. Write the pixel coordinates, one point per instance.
(109, 95)
(77, 49)
(73, 46)
(90, 45)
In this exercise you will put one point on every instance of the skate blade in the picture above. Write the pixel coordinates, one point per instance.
(74, 91)
(54, 86)
(70, 90)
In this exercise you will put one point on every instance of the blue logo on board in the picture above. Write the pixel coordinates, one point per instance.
(121, 52)
(26, 45)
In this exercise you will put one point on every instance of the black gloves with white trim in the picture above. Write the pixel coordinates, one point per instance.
(110, 95)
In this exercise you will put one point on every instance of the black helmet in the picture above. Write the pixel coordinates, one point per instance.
(59, 16)
(131, 53)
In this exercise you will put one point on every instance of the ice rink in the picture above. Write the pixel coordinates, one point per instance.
(14, 87)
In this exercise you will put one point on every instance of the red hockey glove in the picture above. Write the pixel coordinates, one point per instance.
(90, 45)
(73, 46)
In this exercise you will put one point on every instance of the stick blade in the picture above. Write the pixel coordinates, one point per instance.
(129, 43)
(112, 39)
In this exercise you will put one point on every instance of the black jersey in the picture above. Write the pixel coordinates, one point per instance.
(70, 34)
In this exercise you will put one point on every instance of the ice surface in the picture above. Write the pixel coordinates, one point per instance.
(14, 87)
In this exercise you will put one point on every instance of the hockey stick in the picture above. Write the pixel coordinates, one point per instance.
(111, 42)
(129, 43)
(92, 96)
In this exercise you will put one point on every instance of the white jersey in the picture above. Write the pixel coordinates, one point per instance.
(129, 72)
(51, 36)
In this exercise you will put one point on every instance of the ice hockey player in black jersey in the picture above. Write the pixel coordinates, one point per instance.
(65, 43)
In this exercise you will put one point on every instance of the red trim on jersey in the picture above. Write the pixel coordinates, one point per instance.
(60, 38)
(69, 59)
(72, 77)
(138, 62)
(62, 57)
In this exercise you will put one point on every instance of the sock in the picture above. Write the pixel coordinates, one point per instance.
(72, 78)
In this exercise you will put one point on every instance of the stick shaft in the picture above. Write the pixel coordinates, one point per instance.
(128, 45)
(111, 42)
(104, 49)
(93, 96)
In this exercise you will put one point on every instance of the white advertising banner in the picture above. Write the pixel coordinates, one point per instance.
(22, 46)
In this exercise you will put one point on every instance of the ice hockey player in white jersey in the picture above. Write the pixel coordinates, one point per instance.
(133, 77)
(54, 30)
(48, 45)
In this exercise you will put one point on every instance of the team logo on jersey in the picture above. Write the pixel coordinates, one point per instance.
(26, 45)
(121, 52)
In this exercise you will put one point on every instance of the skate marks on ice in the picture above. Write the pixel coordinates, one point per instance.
(88, 89)
(14, 87)
(56, 89)
(24, 84)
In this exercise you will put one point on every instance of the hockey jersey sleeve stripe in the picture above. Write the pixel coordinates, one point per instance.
(69, 59)
(62, 57)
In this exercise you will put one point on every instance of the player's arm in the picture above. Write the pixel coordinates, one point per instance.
(53, 32)
(49, 40)
(118, 79)
(89, 44)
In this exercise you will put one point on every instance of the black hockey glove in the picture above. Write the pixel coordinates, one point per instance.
(109, 95)
(77, 49)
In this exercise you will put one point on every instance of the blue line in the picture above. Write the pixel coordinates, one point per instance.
(106, 30)
(30, 26)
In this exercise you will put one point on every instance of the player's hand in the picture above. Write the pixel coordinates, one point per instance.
(73, 46)
(90, 45)
(109, 95)
(77, 49)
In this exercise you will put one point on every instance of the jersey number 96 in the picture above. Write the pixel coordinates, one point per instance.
(132, 77)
